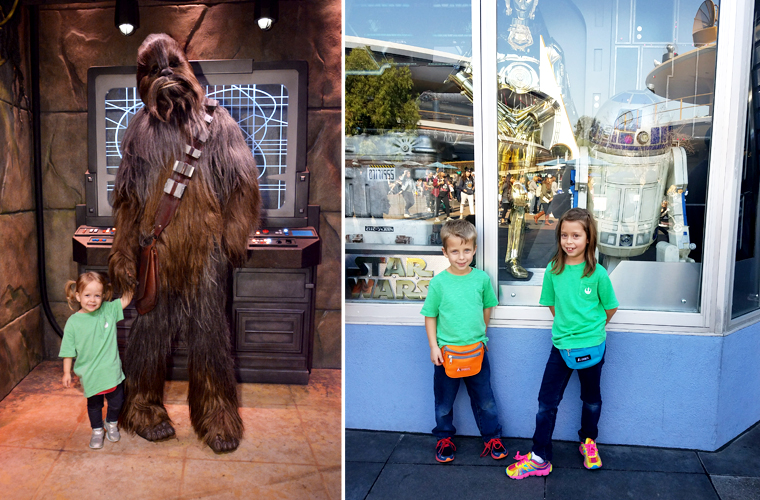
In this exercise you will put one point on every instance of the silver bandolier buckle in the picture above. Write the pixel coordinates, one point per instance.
(183, 168)
(174, 188)
(191, 151)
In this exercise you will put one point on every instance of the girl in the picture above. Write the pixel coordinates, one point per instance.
(467, 188)
(581, 299)
(90, 336)
(544, 192)
(442, 193)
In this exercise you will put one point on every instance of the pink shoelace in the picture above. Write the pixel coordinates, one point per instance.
(590, 448)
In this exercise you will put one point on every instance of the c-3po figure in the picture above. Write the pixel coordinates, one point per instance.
(520, 117)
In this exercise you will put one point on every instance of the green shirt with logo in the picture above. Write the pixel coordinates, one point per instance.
(91, 339)
(458, 303)
(579, 305)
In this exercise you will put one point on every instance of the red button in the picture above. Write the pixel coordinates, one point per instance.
(265, 231)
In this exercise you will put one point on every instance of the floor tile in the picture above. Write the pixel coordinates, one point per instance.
(175, 392)
(370, 446)
(92, 475)
(41, 421)
(323, 389)
(323, 429)
(130, 444)
(632, 458)
(581, 484)
(265, 395)
(451, 482)
(22, 471)
(272, 435)
(360, 476)
(46, 378)
(235, 480)
(736, 488)
(739, 458)
(332, 478)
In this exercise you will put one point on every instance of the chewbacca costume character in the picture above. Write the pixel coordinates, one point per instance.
(206, 236)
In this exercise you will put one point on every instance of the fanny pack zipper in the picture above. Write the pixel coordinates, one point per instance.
(460, 353)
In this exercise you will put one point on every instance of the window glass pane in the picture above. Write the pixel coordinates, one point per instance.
(409, 142)
(746, 296)
(610, 110)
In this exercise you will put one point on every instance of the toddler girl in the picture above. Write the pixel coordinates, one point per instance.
(581, 299)
(90, 336)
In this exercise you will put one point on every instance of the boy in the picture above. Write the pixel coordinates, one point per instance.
(457, 310)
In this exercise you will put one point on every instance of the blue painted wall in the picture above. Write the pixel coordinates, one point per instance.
(679, 391)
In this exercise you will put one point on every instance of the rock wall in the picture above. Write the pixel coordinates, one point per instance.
(21, 345)
(80, 36)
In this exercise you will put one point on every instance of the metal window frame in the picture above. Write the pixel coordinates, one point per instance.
(726, 151)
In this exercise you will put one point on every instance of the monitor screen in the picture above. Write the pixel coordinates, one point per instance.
(268, 101)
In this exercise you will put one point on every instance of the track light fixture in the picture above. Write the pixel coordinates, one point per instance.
(127, 17)
(266, 13)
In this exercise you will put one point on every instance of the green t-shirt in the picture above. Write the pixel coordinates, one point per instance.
(579, 305)
(458, 302)
(91, 338)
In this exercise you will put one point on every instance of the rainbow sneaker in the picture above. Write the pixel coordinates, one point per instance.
(591, 458)
(526, 466)
(496, 449)
(444, 450)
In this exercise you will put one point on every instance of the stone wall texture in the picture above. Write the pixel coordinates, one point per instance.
(78, 36)
(21, 339)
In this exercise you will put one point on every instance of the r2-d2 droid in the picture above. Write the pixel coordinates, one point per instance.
(632, 166)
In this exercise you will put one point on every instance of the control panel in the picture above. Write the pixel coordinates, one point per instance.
(281, 237)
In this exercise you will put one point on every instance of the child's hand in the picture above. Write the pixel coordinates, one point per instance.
(66, 380)
(436, 356)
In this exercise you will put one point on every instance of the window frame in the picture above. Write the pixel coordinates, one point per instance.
(726, 152)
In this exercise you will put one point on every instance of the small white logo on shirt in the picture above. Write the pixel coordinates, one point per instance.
(588, 291)
(107, 321)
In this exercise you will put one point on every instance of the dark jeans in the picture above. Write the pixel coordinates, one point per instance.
(408, 200)
(443, 198)
(481, 399)
(95, 406)
(556, 377)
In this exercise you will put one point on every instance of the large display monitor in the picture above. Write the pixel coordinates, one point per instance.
(268, 100)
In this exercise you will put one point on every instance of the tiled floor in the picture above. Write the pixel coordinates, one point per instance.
(392, 465)
(291, 447)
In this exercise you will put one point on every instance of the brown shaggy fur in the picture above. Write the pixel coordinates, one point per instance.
(206, 236)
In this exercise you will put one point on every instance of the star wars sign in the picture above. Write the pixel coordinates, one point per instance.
(397, 277)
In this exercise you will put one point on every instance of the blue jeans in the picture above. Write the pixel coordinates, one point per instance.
(481, 399)
(556, 377)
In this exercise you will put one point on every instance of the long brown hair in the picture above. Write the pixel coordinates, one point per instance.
(74, 287)
(584, 217)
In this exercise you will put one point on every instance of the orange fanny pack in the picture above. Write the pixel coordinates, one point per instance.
(463, 360)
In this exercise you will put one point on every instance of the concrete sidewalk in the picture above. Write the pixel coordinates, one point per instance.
(395, 465)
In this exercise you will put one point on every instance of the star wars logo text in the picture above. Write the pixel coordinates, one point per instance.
(390, 278)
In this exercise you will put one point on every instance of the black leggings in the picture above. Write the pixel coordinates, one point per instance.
(95, 406)
(443, 198)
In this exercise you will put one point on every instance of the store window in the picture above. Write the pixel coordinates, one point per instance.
(746, 293)
(606, 106)
(409, 145)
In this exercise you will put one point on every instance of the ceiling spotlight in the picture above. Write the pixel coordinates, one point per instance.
(127, 17)
(266, 13)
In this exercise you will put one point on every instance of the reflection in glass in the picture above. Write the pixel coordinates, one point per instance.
(634, 126)
(746, 293)
(409, 143)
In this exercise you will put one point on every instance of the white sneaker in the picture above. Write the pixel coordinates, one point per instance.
(438, 219)
(406, 216)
